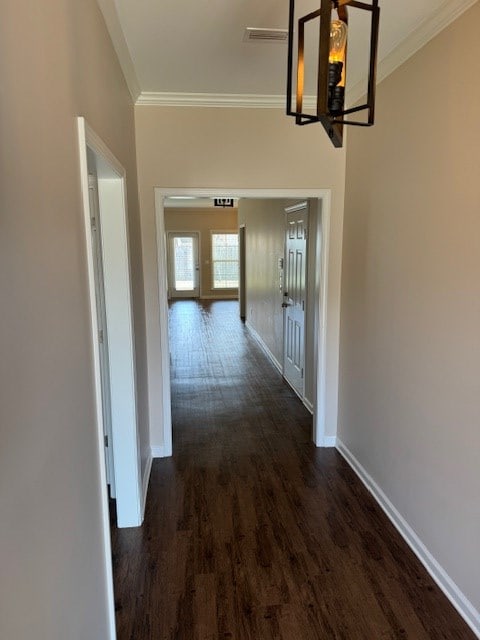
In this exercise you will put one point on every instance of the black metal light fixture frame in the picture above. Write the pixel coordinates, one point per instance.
(332, 123)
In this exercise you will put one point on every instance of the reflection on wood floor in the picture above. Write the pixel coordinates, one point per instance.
(251, 533)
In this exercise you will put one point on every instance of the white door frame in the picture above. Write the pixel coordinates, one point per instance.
(112, 197)
(321, 293)
(113, 212)
(99, 278)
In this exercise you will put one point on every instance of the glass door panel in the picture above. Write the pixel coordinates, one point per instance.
(183, 267)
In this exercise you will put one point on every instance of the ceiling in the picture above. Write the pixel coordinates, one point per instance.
(176, 48)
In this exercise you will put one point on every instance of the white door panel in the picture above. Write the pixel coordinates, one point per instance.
(294, 296)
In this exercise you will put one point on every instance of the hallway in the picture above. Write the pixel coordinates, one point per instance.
(251, 533)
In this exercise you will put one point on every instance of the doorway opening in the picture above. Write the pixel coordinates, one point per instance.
(319, 298)
(103, 186)
(106, 233)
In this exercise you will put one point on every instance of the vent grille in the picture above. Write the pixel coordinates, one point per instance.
(265, 35)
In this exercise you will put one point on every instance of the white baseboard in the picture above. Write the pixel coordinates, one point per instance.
(264, 348)
(328, 442)
(309, 405)
(461, 603)
(145, 481)
(160, 452)
(220, 297)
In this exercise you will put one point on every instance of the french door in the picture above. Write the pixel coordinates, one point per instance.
(183, 265)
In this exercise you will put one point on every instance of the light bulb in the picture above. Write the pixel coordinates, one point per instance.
(336, 66)
(338, 41)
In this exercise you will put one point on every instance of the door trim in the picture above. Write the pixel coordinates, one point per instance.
(121, 347)
(321, 297)
(113, 209)
(100, 298)
(86, 137)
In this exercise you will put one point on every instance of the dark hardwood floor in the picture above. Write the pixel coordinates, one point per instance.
(251, 533)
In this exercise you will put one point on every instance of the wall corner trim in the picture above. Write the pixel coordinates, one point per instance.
(328, 442)
(461, 603)
(145, 481)
(160, 451)
(114, 27)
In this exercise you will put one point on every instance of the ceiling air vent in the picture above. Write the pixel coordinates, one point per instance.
(265, 35)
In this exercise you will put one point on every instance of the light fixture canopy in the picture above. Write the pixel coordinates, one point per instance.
(332, 66)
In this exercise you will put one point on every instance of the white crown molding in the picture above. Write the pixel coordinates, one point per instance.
(447, 13)
(236, 100)
(110, 15)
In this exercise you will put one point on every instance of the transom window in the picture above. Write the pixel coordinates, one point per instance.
(225, 260)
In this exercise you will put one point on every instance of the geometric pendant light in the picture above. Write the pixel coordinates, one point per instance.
(330, 21)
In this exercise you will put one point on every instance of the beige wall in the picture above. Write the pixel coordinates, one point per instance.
(264, 221)
(204, 221)
(56, 62)
(240, 149)
(410, 338)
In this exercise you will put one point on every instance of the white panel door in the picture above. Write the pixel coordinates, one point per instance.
(184, 267)
(295, 296)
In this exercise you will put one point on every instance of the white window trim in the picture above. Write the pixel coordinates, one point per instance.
(220, 232)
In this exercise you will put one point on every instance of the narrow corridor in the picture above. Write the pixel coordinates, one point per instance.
(251, 533)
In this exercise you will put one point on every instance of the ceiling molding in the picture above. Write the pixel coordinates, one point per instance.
(110, 15)
(238, 100)
(447, 13)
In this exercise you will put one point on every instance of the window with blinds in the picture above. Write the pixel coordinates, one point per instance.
(225, 260)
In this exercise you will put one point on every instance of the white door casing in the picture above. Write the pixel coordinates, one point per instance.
(161, 421)
(294, 300)
(112, 200)
(102, 330)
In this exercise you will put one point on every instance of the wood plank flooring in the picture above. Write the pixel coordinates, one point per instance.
(251, 533)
